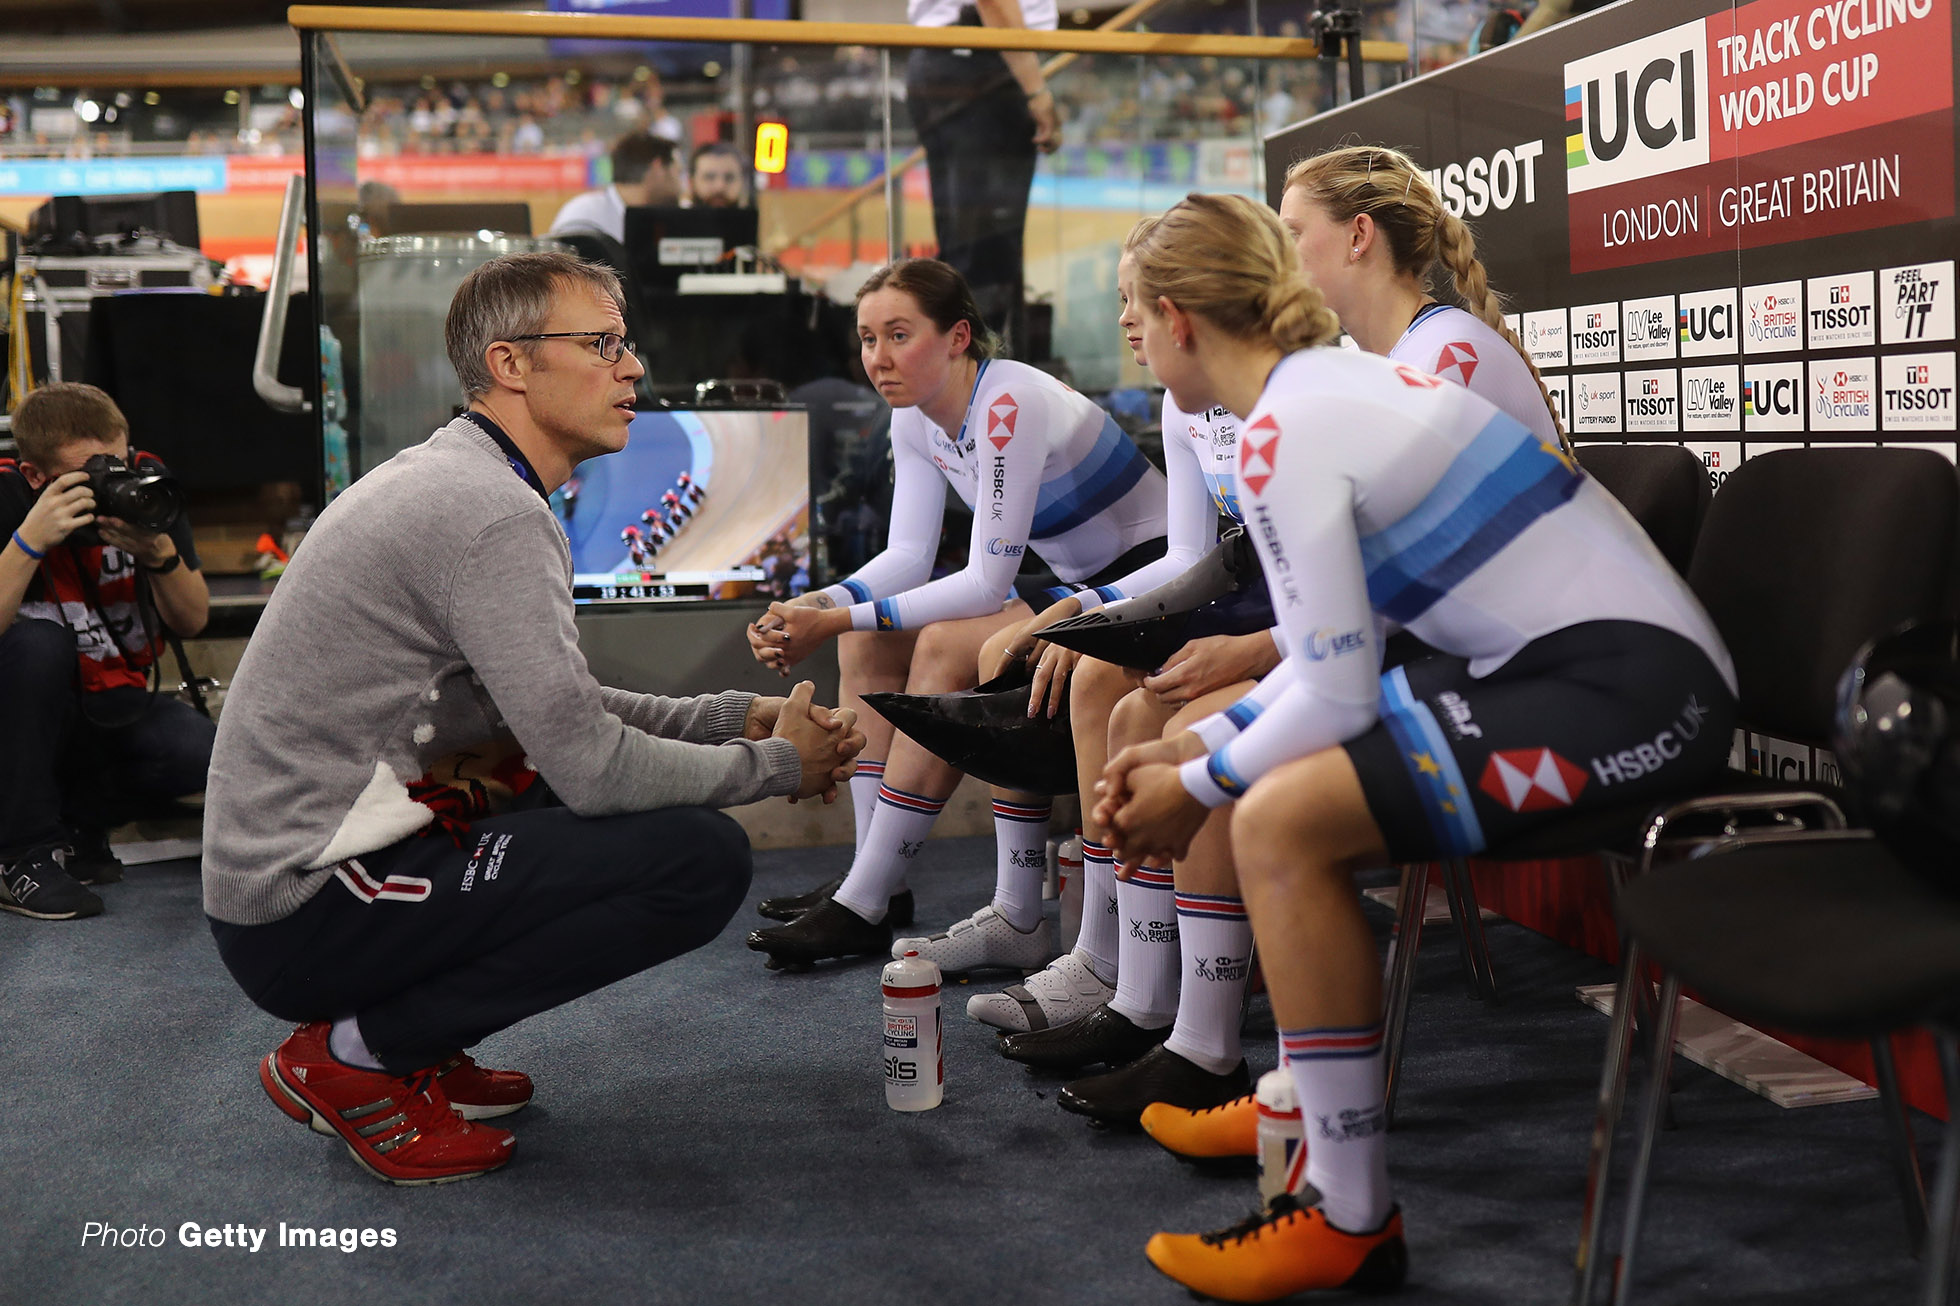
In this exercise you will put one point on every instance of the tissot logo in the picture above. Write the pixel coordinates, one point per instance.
(1651, 401)
(1840, 312)
(1638, 110)
(1595, 334)
(1917, 392)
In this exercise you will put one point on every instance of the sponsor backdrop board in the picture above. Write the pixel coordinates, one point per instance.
(1730, 225)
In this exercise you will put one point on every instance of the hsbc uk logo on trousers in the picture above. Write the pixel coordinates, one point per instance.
(1651, 755)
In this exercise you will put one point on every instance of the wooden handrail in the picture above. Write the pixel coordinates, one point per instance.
(894, 36)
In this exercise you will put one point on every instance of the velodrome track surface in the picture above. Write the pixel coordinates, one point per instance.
(760, 483)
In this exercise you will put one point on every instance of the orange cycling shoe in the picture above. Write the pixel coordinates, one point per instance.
(1211, 1134)
(1284, 1249)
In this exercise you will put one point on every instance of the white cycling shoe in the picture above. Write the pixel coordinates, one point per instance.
(1065, 990)
(984, 941)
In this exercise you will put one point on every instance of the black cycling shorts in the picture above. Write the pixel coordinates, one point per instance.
(1037, 587)
(1594, 715)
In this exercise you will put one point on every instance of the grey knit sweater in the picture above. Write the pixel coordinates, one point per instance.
(430, 611)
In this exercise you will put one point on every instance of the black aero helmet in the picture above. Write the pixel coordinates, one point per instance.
(1897, 737)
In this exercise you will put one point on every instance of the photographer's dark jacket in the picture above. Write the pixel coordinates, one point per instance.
(91, 588)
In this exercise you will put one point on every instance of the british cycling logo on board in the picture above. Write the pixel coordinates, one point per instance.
(1258, 458)
(1532, 779)
(1460, 356)
(1002, 413)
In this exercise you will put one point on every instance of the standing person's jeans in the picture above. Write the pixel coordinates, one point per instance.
(973, 120)
(80, 763)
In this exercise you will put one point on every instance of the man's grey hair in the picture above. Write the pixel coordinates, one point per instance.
(509, 297)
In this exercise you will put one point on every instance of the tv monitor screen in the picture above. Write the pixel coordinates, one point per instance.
(700, 505)
(663, 243)
(171, 214)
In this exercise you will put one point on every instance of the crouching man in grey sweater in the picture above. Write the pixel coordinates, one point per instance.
(425, 820)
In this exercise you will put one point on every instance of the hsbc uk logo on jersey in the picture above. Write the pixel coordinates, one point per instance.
(1915, 303)
(1259, 454)
(1457, 361)
(1001, 416)
(1531, 779)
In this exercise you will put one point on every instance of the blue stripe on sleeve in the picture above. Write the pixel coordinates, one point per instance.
(1111, 468)
(1242, 713)
(1502, 482)
(858, 590)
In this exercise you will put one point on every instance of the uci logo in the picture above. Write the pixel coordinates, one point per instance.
(1638, 110)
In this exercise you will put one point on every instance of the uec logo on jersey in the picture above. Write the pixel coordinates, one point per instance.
(1330, 643)
(1002, 548)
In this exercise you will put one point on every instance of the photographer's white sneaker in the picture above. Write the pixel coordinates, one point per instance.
(984, 941)
(1066, 989)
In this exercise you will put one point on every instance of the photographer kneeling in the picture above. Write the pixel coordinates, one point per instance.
(81, 596)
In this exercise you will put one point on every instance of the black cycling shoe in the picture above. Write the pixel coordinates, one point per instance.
(788, 907)
(1103, 1037)
(827, 930)
(1159, 1075)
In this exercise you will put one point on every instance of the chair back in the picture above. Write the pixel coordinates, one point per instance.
(1663, 486)
(1808, 553)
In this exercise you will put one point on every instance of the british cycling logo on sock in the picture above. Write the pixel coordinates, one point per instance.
(910, 848)
(1224, 970)
(1532, 779)
(1352, 1125)
(1153, 931)
(1027, 857)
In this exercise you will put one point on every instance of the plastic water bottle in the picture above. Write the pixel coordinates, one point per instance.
(1282, 1137)
(915, 1061)
(1070, 890)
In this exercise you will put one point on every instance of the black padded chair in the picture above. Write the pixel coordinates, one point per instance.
(1663, 486)
(1819, 933)
(1805, 555)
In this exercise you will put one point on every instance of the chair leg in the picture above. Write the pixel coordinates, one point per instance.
(1650, 1127)
(1587, 1289)
(1401, 975)
(1469, 920)
(1936, 1270)
(1905, 1155)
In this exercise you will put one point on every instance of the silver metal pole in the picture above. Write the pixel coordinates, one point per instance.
(892, 250)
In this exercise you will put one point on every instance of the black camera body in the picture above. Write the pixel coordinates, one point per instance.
(148, 501)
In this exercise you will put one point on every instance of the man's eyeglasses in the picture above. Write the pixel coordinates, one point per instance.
(610, 343)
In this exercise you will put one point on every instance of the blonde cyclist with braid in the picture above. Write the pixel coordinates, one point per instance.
(1368, 229)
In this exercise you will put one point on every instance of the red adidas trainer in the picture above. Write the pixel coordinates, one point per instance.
(400, 1128)
(479, 1094)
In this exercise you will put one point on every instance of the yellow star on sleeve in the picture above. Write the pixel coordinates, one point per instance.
(1426, 764)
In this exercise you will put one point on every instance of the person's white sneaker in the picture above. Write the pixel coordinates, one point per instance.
(984, 941)
(1063, 991)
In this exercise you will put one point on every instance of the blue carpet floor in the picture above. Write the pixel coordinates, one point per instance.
(709, 1132)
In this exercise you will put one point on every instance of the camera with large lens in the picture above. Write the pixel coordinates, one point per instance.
(148, 501)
